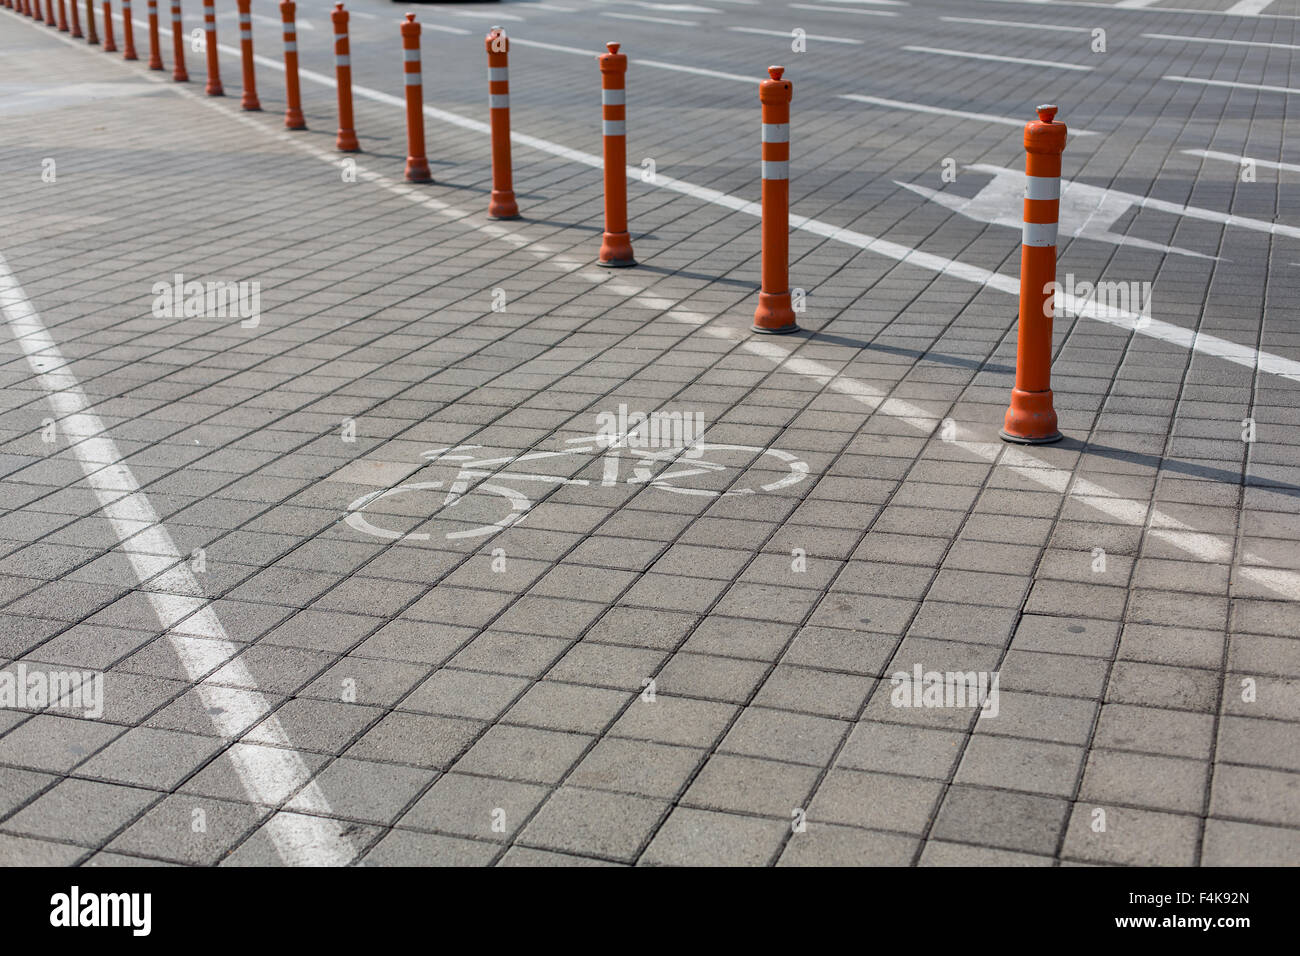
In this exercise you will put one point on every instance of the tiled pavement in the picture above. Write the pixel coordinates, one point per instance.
(283, 686)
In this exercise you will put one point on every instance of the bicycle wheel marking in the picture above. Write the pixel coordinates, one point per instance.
(660, 468)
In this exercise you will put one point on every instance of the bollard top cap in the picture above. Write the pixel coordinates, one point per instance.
(1045, 134)
(338, 6)
(612, 47)
(775, 90)
(410, 18)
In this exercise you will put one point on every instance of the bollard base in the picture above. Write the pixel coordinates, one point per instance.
(615, 251)
(293, 119)
(417, 170)
(251, 104)
(346, 141)
(774, 315)
(1019, 440)
(1031, 419)
(215, 91)
(503, 205)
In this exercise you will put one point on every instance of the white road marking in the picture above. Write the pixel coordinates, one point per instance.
(268, 773)
(439, 28)
(1233, 85)
(860, 13)
(879, 3)
(1142, 325)
(1241, 160)
(1230, 12)
(1174, 36)
(485, 16)
(1017, 24)
(943, 111)
(1135, 4)
(1249, 8)
(1094, 208)
(554, 8)
(665, 20)
(786, 35)
(963, 54)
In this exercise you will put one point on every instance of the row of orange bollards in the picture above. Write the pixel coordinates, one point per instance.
(1030, 418)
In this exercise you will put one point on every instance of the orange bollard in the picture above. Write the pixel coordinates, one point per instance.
(417, 164)
(775, 315)
(128, 33)
(179, 73)
(63, 16)
(615, 244)
(249, 101)
(92, 36)
(502, 205)
(49, 14)
(1031, 418)
(346, 141)
(109, 45)
(155, 51)
(210, 47)
(76, 19)
(293, 118)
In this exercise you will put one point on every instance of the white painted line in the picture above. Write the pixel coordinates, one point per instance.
(860, 13)
(486, 16)
(1233, 85)
(1179, 10)
(662, 7)
(664, 20)
(439, 28)
(939, 51)
(1143, 325)
(878, 3)
(1017, 24)
(943, 111)
(1173, 36)
(554, 8)
(1135, 4)
(786, 35)
(268, 773)
(1249, 8)
(1241, 160)
(656, 64)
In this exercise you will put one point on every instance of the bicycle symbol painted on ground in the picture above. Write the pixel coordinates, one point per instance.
(485, 494)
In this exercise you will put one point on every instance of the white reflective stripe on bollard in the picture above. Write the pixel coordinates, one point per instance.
(776, 169)
(1042, 187)
(776, 132)
(1040, 234)
(614, 127)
